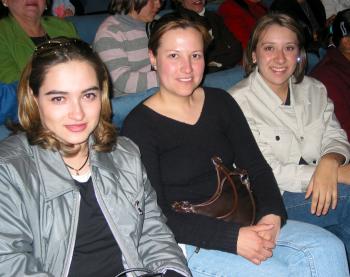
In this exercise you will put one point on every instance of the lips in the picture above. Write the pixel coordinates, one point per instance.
(186, 79)
(31, 4)
(34, 6)
(279, 69)
(197, 2)
(76, 127)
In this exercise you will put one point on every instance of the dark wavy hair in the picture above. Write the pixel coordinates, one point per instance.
(126, 6)
(57, 51)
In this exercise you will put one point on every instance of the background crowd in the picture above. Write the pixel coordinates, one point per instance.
(165, 66)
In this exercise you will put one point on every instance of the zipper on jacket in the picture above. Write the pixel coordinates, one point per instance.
(137, 205)
(109, 220)
(72, 238)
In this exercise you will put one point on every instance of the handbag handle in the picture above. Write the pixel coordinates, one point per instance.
(232, 200)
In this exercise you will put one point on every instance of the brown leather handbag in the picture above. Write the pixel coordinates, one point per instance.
(232, 201)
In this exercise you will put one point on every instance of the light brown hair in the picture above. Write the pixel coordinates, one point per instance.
(174, 21)
(51, 53)
(282, 20)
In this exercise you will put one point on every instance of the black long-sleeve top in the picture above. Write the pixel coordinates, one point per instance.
(177, 157)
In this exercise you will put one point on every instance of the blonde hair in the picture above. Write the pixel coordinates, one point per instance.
(57, 51)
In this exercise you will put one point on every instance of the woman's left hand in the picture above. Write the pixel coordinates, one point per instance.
(323, 185)
(272, 234)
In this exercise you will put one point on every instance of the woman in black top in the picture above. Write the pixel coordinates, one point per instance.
(178, 130)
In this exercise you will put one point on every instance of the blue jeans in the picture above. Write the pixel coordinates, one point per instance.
(302, 250)
(337, 221)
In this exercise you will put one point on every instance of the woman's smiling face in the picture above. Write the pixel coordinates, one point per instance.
(180, 61)
(194, 5)
(276, 56)
(69, 101)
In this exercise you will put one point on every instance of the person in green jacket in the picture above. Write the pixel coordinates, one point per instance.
(21, 30)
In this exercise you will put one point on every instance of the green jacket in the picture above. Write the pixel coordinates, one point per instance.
(16, 47)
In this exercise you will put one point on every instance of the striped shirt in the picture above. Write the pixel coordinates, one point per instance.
(121, 42)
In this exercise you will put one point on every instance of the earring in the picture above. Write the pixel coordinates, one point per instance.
(254, 61)
(298, 59)
(4, 3)
(154, 67)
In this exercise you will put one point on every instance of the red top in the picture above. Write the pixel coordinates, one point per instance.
(241, 21)
(334, 72)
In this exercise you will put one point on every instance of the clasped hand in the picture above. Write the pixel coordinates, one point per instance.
(255, 243)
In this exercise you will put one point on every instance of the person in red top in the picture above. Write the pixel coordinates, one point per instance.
(240, 17)
(334, 70)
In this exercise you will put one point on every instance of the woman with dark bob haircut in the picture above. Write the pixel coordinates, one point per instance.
(294, 125)
(75, 201)
(179, 129)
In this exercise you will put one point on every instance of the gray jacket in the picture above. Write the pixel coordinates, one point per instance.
(39, 209)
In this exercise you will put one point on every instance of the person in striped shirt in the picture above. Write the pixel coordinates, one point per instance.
(121, 41)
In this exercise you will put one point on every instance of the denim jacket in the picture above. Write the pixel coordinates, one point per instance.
(39, 210)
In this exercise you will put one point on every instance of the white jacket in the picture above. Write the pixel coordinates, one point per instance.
(306, 128)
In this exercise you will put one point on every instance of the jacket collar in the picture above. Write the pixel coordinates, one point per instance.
(54, 175)
(258, 85)
(298, 100)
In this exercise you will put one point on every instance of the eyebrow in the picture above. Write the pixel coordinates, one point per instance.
(54, 92)
(180, 50)
(270, 42)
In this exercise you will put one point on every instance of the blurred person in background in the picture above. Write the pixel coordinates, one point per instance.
(121, 41)
(334, 70)
(225, 50)
(21, 30)
(311, 15)
(332, 7)
(62, 8)
(240, 17)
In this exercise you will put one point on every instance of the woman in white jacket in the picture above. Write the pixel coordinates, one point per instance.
(294, 124)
